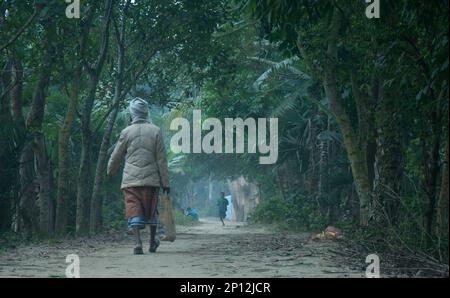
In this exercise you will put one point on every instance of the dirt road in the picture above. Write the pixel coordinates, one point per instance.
(204, 250)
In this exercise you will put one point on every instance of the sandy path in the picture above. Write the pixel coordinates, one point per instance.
(204, 250)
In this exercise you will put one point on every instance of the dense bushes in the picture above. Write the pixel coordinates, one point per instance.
(296, 213)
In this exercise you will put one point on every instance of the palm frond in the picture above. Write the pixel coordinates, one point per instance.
(288, 103)
(277, 66)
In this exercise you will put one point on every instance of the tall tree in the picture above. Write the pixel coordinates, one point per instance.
(33, 125)
(96, 202)
(82, 37)
(84, 174)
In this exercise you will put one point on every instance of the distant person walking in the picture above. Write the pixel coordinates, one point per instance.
(145, 171)
(222, 204)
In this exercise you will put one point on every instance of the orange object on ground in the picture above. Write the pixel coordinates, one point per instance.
(329, 233)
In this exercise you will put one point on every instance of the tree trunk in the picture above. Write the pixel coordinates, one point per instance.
(64, 160)
(27, 206)
(322, 183)
(33, 126)
(389, 160)
(96, 199)
(442, 210)
(356, 152)
(210, 187)
(355, 143)
(16, 96)
(43, 172)
(7, 152)
(431, 166)
(84, 184)
(19, 127)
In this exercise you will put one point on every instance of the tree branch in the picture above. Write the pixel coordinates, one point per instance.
(21, 30)
(105, 38)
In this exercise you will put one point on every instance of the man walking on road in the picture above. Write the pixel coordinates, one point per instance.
(145, 171)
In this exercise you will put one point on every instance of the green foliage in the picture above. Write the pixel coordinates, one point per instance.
(113, 214)
(12, 240)
(295, 213)
(183, 220)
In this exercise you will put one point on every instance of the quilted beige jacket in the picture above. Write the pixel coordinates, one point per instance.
(142, 146)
